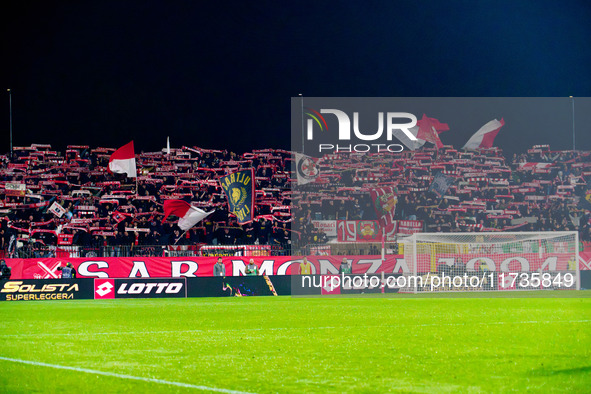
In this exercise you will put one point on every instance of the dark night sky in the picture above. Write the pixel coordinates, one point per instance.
(221, 76)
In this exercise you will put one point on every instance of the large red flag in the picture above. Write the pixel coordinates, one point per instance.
(429, 129)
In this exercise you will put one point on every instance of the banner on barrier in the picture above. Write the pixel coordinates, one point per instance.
(235, 250)
(328, 227)
(177, 267)
(370, 230)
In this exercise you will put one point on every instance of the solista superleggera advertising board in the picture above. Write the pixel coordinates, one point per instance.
(46, 290)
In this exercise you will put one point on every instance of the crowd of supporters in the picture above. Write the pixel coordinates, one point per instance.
(50, 199)
(539, 190)
(105, 211)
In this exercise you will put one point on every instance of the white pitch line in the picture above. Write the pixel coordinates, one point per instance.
(121, 376)
(289, 328)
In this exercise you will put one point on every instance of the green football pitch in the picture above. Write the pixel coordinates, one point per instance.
(489, 343)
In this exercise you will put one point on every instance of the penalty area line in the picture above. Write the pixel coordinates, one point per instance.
(122, 376)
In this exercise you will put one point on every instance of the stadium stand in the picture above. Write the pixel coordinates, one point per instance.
(540, 190)
(53, 203)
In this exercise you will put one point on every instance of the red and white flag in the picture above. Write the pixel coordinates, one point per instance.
(484, 137)
(429, 129)
(307, 168)
(122, 161)
(410, 144)
(188, 215)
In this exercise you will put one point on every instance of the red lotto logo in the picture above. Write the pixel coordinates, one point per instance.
(104, 288)
(331, 284)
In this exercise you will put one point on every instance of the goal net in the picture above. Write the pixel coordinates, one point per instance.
(492, 261)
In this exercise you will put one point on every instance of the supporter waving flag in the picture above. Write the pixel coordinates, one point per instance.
(122, 161)
(188, 215)
(429, 129)
(239, 189)
(441, 184)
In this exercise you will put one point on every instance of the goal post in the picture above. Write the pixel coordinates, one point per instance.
(492, 261)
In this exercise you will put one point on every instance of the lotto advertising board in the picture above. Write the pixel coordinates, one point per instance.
(140, 288)
(237, 286)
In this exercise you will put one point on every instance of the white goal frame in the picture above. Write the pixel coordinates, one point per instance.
(470, 239)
